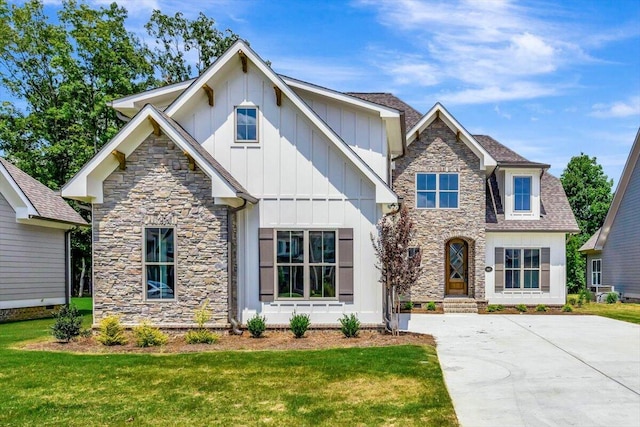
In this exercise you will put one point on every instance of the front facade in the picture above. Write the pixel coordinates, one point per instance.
(259, 193)
(34, 225)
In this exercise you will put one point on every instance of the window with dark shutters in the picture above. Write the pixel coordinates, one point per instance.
(545, 273)
(267, 272)
(498, 273)
(345, 264)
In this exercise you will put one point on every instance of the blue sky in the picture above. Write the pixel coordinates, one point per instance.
(548, 79)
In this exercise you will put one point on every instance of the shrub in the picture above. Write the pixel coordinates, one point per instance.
(521, 308)
(584, 296)
(541, 307)
(201, 336)
(111, 331)
(567, 308)
(299, 323)
(202, 315)
(68, 324)
(431, 306)
(572, 301)
(350, 325)
(256, 325)
(612, 297)
(408, 305)
(492, 308)
(500, 307)
(149, 336)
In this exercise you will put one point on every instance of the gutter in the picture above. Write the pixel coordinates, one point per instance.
(235, 325)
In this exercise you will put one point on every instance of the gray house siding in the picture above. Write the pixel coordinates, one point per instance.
(621, 252)
(32, 259)
(590, 258)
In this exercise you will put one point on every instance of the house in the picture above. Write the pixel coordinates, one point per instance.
(613, 253)
(34, 246)
(259, 193)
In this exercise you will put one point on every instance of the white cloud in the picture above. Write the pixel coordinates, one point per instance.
(501, 114)
(630, 107)
(491, 93)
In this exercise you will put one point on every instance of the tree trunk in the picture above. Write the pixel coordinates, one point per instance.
(81, 286)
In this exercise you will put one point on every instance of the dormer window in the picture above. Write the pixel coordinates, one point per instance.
(522, 193)
(246, 124)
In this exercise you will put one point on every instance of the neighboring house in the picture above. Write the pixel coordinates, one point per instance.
(259, 193)
(613, 252)
(34, 245)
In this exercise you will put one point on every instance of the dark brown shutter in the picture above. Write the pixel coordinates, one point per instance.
(498, 273)
(345, 264)
(267, 273)
(545, 273)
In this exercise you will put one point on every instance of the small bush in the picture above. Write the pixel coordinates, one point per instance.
(500, 307)
(612, 297)
(202, 314)
(350, 325)
(567, 308)
(541, 307)
(149, 336)
(111, 331)
(68, 324)
(408, 305)
(201, 336)
(572, 301)
(299, 323)
(584, 296)
(521, 308)
(492, 308)
(431, 306)
(257, 325)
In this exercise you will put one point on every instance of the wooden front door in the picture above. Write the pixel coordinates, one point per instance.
(456, 267)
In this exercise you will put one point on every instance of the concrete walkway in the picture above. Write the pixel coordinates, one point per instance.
(527, 370)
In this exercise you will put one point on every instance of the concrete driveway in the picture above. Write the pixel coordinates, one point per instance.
(526, 370)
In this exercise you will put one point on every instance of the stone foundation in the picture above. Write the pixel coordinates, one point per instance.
(27, 313)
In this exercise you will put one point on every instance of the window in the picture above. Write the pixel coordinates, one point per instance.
(246, 124)
(522, 268)
(522, 193)
(306, 264)
(437, 191)
(596, 272)
(159, 259)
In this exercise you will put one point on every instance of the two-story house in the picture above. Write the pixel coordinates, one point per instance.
(259, 193)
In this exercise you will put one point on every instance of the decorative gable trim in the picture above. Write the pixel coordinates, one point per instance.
(438, 111)
(14, 195)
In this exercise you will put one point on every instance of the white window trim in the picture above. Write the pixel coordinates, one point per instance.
(522, 269)
(437, 190)
(306, 267)
(509, 202)
(593, 262)
(235, 124)
(144, 265)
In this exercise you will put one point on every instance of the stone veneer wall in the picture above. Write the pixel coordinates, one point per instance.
(26, 313)
(437, 150)
(158, 189)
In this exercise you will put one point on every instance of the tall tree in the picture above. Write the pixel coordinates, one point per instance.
(398, 268)
(177, 37)
(589, 192)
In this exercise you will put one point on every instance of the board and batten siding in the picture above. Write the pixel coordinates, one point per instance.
(32, 262)
(557, 273)
(621, 251)
(303, 182)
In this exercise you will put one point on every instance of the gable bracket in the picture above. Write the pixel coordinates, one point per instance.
(192, 163)
(209, 92)
(458, 135)
(437, 114)
(278, 95)
(156, 126)
(119, 155)
(243, 58)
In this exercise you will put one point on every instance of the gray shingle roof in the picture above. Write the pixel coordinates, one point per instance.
(590, 245)
(411, 116)
(46, 202)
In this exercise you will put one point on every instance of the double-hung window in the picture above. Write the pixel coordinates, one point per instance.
(159, 260)
(596, 272)
(522, 268)
(306, 264)
(522, 193)
(437, 190)
(246, 124)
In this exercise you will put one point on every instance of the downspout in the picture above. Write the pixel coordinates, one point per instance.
(67, 267)
(235, 325)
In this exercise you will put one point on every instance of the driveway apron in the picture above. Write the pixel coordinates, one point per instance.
(528, 370)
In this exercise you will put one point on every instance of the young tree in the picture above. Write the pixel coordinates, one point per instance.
(589, 192)
(398, 269)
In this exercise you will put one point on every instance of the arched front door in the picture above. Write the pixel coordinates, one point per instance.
(456, 267)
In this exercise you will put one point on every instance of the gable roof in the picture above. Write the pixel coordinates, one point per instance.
(438, 111)
(86, 185)
(411, 115)
(39, 201)
(629, 166)
(505, 156)
(590, 245)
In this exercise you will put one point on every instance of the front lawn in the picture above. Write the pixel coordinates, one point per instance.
(400, 385)
(627, 312)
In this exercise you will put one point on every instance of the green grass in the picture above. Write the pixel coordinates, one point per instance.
(399, 385)
(627, 312)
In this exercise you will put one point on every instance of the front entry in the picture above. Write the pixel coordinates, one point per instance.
(456, 267)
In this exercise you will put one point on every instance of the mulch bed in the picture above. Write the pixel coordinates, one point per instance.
(272, 340)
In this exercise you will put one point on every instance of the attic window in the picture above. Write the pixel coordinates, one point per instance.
(522, 193)
(246, 124)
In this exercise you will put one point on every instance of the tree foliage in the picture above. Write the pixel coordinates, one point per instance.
(399, 270)
(589, 192)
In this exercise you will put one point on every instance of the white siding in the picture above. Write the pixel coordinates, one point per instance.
(558, 276)
(31, 259)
